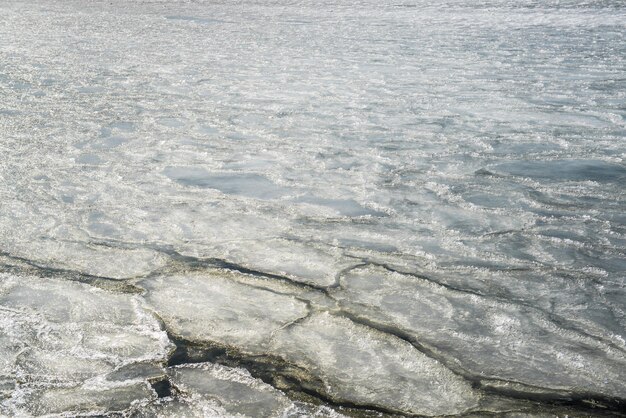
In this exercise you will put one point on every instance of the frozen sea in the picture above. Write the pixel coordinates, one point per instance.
(302, 208)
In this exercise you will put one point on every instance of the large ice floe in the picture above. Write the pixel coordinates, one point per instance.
(269, 208)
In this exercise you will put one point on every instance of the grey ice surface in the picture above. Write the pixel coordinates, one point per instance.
(312, 208)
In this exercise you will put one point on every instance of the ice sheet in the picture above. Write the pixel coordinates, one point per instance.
(430, 193)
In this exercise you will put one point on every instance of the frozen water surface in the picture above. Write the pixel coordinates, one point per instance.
(312, 208)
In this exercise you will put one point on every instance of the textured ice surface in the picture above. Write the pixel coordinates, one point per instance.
(424, 192)
(213, 390)
(76, 401)
(62, 341)
(366, 367)
(110, 263)
(234, 390)
(355, 364)
(487, 338)
(215, 308)
(305, 263)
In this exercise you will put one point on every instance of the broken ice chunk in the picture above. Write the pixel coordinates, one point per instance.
(56, 333)
(213, 390)
(488, 338)
(129, 342)
(180, 407)
(233, 389)
(63, 301)
(101, 261)
(363, 366)
(40, 366)
(79, 400)
(298, 261)
(357, 364)
(213, 307)
(136, 371)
